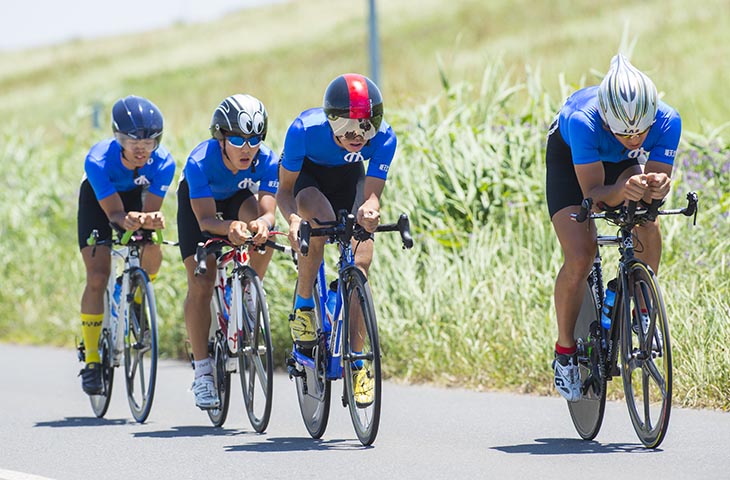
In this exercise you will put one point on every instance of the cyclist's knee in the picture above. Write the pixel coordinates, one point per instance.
(97, 279)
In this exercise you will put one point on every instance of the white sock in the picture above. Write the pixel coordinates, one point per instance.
(203, 367)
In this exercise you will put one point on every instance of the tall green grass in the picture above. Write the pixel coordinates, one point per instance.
(471, 304)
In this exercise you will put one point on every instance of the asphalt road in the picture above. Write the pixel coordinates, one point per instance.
(47, 430)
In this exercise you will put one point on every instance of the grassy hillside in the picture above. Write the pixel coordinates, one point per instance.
(470, 87)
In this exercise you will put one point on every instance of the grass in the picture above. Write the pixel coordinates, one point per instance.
(470, 88)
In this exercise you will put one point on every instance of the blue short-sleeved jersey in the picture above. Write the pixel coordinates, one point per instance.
(582, 129)
(208, 176)
(107, 175)
(311, 136)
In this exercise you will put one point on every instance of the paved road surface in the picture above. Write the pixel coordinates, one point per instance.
(47, 429)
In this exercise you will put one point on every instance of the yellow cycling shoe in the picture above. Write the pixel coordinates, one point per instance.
(364, 387)
(301, 324)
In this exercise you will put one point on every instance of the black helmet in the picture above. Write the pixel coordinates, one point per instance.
(239, 115)
(137, 118)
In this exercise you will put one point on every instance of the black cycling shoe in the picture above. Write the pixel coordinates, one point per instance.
(91, 379)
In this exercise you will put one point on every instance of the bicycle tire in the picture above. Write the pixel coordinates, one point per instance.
(587, 413)
(646, 358)
(255, 351)
(314, 388)
(222, 380)
(358, 298)
(141, 347)
(100, 403)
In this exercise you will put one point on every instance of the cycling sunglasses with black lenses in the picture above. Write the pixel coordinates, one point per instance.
(239, 142)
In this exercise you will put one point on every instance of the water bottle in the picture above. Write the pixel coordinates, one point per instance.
(331, 303)
(116, 296)
(608, 302)
(227, 299)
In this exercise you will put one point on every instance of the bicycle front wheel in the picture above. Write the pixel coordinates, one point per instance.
(255, 353)
(646, 356)
(140, 345)
(361, 356)
(100, 403)
(587, 413)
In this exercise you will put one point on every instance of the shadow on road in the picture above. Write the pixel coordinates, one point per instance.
(296, 444)
(562, 446)
(83, 422)
(194, 431)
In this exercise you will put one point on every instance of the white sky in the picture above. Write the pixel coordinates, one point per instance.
(30, 23)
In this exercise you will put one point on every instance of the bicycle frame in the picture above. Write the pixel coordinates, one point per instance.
(332, 326)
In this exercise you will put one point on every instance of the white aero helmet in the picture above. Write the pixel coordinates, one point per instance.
(627, 99)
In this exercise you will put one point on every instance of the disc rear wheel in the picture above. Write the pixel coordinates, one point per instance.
(587, 413)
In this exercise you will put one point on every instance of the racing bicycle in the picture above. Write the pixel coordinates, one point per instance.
(637, 344)
(240, 335)
(347, 343)
(129, 329)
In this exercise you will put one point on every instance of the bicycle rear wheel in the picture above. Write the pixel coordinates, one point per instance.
(255, 353)
(313, 387)
(100, 403)
(646, 357)
(140, 347)
(587, 413)
(361, 356)
(222, 379)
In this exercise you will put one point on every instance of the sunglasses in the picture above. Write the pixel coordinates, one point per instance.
(354, 127)
(628, 136)
(129, 143)
(239, 142)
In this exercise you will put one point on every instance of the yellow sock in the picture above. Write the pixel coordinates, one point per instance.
(91, 330)
(138, 292)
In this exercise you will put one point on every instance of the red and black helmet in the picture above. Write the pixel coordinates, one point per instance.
(354, 96)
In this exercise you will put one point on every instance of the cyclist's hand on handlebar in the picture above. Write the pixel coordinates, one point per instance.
(153, 221)
(260, 231)
(294, 222)
(237, 232)
(133, 221)
(635, 187)
(659, 184)
(368, 217)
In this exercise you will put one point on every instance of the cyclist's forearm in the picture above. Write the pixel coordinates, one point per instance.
(287, 204)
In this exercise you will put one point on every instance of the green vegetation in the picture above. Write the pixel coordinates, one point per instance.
(470, 88)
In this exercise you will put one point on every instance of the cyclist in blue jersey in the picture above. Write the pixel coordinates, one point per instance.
(217, 194)
(126, 179)
(322, 172)
(613, 142)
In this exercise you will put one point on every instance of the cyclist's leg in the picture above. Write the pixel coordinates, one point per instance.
(311, 204)
(97, 263)
(577, 241)
(363, 259)
(649, 235)
(196, 309)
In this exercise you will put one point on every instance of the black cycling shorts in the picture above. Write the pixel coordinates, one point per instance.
(563, 189)
(342, 186)
(188, 229)
(91, 216)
